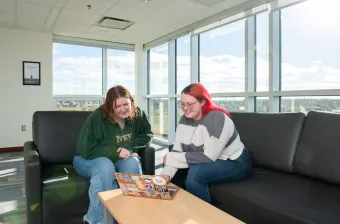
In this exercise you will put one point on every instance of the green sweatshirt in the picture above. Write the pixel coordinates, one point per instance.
(98, 137)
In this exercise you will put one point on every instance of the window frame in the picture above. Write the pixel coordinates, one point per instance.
(90, 43)
(274, 92)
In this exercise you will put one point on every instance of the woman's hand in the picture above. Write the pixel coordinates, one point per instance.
(124, 153)
(166, 178)
(135, 155)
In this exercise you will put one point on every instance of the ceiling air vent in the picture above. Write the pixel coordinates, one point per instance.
(115, 23)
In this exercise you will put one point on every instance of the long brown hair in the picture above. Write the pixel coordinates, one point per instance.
(112, 95)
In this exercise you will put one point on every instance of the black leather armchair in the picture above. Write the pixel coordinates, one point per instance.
(52, 149)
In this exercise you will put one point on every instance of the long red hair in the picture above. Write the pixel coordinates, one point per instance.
(198, 91)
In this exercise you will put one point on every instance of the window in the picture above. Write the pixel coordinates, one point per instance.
(121, 69)
(77, 70)
(77, 105)
(179, 112)
(183, 62)
(159, 69)
(311, 103)
(222, 58)
(231, 104)
(262, 104)
(310, 45)
(262, 53)
(158, 110)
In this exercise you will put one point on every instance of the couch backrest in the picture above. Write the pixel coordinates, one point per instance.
(271, 137)
(318, 152)
(55, 134)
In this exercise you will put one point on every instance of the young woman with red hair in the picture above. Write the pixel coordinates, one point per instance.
(207, 149)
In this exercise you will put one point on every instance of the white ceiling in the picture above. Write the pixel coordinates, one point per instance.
(73, 18)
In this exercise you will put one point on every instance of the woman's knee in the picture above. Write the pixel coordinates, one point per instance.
(104, 165)
(129, 165)
(193, 175)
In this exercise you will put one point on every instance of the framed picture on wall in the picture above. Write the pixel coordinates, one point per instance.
(31, 73)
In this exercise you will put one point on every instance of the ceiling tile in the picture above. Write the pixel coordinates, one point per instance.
(7, 19)
(103, 31)
(160, 18)
(151, 5)
(127, 13)
(204, 13)
(112, 1)
(179, 25)
(30, 14)
(7, 6)
(207, 2)
(53, 15)
(32, 28)
(78, 17)
(229, 4)
(182, 8)
(139, 28)
(50, 3)
(97, 6)
(70, 28)
(132, 34)
(93, 36)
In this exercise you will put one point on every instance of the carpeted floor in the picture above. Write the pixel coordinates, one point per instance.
(12, 196)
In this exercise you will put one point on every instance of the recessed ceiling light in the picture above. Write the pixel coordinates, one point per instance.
(144, 1)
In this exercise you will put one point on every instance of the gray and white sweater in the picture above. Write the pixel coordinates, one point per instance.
(206, 140)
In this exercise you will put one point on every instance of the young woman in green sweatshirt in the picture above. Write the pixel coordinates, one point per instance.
(107, 143)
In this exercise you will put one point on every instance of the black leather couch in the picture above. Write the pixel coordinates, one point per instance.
(53, 146)
(296, 177)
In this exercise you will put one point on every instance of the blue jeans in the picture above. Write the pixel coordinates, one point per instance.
(199, 177)
(101, 173)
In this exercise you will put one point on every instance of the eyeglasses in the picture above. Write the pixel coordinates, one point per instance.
(188, 105)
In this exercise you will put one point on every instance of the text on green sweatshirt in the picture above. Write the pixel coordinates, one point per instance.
(98, 137)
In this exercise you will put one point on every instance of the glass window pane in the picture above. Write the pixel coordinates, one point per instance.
(121, 69)
(311, 103)
(183, 62)
(179, 112)
(77, 70)
(310, 45)
(231, 104)
(159, 69)
(158, 110)
(77, 105)
(222, 58)
(262, 104)
(262, 43)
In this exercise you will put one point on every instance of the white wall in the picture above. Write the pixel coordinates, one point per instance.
(19, 102)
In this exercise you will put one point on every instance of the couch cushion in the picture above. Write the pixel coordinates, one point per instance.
(55, 134)
(280, 198)
(318, 151)
(272, 138)
(66, 199)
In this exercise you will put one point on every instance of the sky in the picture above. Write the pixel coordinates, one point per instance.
(309, 42)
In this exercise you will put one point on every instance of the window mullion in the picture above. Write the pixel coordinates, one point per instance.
(250, 54)
(104, 69)
(274, 60)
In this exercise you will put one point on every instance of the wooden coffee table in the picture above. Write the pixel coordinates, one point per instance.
(184, 209)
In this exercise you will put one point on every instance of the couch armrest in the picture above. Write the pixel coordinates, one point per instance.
(33, 183)
(148, 160)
